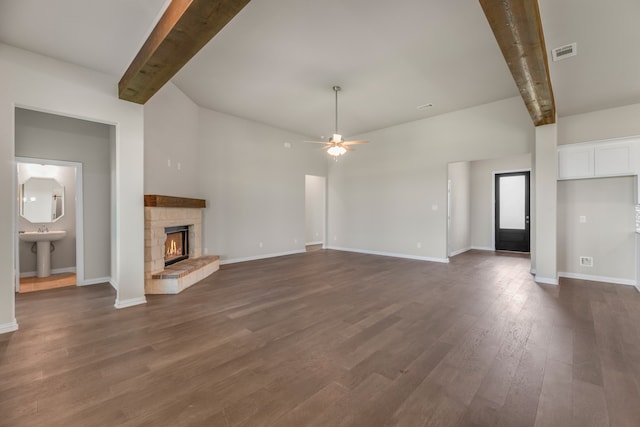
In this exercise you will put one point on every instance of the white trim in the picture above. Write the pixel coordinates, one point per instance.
(320, 242)
(113, 284)
(53, 271)
(546, 280)
(258, 257)
(129, 302)
(459, 251)
(9, 327)
(96, 281)
(483, 248)
(533, 271)
(614, 280)
(390, 254)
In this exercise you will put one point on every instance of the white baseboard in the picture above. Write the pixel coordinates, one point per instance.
(459, 251)
(614, 280)
(9, 327)
(546, 280)
(113, 284)
(483, 248)
(130, 302)
(314, 243)
(390, 254)
(53, 271)
(258, 257)
(95, 281)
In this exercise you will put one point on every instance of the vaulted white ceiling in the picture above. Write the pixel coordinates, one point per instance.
(278, 59)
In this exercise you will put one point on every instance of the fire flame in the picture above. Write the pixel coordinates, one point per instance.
(173, 248)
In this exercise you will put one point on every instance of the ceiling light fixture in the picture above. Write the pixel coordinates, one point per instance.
(336, 146)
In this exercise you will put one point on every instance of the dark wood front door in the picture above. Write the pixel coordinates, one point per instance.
(512, 212)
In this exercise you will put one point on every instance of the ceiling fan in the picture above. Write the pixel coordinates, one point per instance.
(336, 146)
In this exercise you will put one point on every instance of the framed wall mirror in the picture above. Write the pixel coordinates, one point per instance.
(41, 200)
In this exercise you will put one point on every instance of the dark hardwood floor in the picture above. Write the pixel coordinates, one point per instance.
(330, 338)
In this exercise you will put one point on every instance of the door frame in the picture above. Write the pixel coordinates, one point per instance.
(493, 201)
(79, 215)
(323, 211)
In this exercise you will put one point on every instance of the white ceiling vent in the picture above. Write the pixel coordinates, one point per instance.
(564, 52)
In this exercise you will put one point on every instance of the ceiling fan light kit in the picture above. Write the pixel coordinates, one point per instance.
(336, 146)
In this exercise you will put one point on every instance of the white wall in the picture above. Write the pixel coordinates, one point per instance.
(608, 233)
(171, 144)
(391, 194)
(482, 195)
(607, 203)
(64, 255)
(48, 136)
(41, 83)
(254, 186)
(602, 124)
(315, 197)
(460, 207)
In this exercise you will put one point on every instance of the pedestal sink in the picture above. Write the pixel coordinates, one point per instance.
(43, 241)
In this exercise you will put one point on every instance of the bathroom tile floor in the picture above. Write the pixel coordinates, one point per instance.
(32, 284)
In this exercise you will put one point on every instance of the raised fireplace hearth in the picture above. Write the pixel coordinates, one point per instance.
(173, 244)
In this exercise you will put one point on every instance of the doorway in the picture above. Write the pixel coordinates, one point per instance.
(50, 200)
(315, 211)
(512, 213)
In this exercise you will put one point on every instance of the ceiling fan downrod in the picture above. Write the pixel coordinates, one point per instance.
(336, 89)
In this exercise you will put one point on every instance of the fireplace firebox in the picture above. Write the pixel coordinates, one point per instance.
(176, 247)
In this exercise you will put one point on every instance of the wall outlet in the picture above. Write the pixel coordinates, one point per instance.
(434, 207)
(295, 241)
(205, 250)
(419, 245)
(586, 261)
(582, 219)
(260, 244)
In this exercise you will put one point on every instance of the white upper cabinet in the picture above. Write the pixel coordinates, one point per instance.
(575, 162)
(599, 159)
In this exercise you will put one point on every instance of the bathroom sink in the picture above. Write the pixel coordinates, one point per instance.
(42, 240)
(42, 236)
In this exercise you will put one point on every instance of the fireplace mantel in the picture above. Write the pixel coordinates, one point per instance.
(161, 212)
(158, 201)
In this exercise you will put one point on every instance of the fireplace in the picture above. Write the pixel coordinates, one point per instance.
(176, 247)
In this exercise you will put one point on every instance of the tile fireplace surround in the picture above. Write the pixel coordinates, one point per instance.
(166, 211)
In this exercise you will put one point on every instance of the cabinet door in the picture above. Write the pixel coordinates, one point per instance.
(575, 162)
(614, 159)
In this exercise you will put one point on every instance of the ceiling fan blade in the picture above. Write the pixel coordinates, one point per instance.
(316, 142)
(354, 142)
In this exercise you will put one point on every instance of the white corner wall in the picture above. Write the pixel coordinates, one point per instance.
(37, 82)
(171, 144)
(315, 212)
(460, 207)
(254, 187)
(390, 195)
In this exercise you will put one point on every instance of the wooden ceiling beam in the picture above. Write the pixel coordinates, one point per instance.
(517, 27)
(184, 28)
